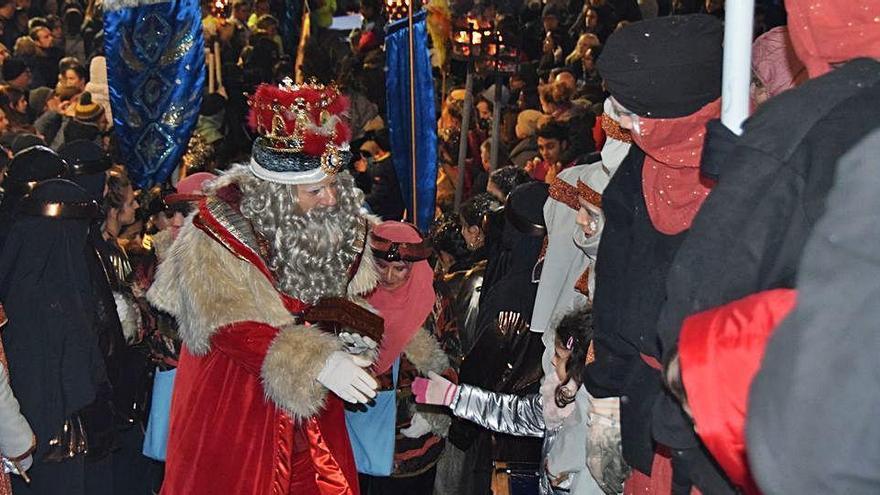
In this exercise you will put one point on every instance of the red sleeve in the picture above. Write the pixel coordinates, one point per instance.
(720, 351)
(246, 343)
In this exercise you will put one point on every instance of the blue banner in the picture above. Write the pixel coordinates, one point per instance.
(156, 74)
(397, 88)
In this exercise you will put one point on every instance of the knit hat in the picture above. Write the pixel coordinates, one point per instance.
(38, 98)
(303, 135)
(97, 85)
(13, 68)
(666, 67)
(550, 10)
(527, 122)
(86, 110)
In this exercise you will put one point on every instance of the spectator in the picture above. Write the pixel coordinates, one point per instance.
(9, 31)
(374, 174)
(15, 105)
(261, 8)
(552, 143)
(76, 77)
(17, 74)
(44, 63)
(89, 122)
(526, 131)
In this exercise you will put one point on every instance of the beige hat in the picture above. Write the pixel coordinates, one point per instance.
(527, 122)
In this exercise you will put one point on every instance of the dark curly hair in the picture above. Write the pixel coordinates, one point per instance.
(446, 236)
(573, 332)
(473, 210)
(507, 178)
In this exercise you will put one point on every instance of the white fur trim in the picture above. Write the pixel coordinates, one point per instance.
(204, 286)
(291, 367)
(309, 177)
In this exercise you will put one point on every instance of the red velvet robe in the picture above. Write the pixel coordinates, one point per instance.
(222, 424)
(226, 436)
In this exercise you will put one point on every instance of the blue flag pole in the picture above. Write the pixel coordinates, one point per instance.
(412, 120)
(156, 75)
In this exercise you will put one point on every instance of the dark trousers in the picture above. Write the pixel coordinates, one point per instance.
(422, 484)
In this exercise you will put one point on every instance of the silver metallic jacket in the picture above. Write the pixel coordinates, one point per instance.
(503, 413)
(506, 413)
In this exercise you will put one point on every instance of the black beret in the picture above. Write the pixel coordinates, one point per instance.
(665, 67)
(34, 164)
(84, 157)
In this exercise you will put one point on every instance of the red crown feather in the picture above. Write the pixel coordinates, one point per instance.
(307, 118)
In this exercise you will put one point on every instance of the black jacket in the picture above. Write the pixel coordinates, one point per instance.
(381, 188)
(630, 278)
(812, 424)
(750, 233)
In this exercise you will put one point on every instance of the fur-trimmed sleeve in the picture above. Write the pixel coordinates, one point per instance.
(206, 287)
(424, 352)
(290, 370)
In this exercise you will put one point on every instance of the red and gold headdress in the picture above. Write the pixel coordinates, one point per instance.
(303, 133)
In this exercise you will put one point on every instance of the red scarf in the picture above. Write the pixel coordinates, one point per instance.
(833, 31)
(671, 181)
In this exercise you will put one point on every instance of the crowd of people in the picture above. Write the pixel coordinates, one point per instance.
(624, 297)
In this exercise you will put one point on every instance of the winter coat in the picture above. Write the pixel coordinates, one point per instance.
(524, 151)
(750, 233)
(381, 189)
(812, 420)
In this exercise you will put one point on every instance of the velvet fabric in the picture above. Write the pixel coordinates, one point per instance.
(673, 188)
(720, 351)
(223, 423)
(222, 392)
(398, 92)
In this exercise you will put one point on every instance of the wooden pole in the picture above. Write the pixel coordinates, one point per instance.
(496, 125)
(414, 204)
(463, 143)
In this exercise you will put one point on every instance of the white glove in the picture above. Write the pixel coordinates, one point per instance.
(356, 343)
(344, 375)
(418, 426)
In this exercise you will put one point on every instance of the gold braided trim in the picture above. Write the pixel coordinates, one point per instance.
(571, 195)
(614, 131)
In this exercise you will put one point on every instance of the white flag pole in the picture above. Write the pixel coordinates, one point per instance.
(738, 20)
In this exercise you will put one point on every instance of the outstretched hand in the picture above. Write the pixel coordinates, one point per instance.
(434, 390)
